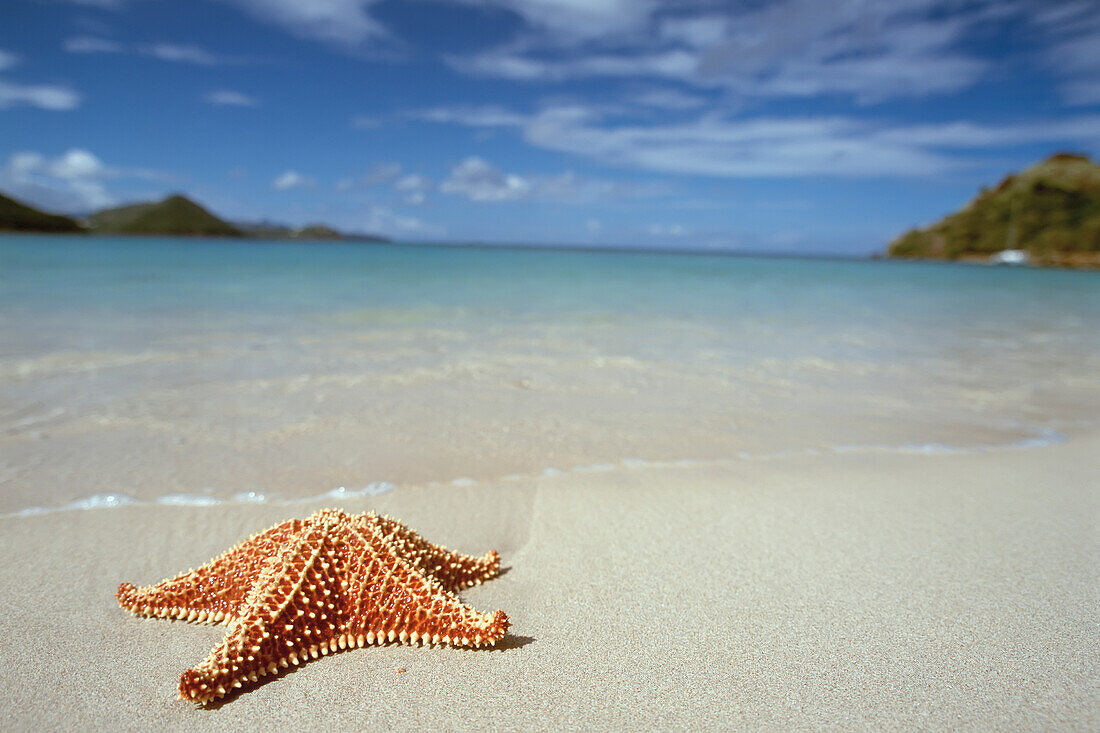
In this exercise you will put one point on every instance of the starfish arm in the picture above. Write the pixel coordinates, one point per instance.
(453, 570)
(295, 610)
(215, 591)
(391, 600)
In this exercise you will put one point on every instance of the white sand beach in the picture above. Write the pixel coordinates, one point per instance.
(851, 591)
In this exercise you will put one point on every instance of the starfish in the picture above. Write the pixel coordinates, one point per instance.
(307, 587)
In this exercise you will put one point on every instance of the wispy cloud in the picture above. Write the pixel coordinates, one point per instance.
(575, 21)
(518, 62)
(229, 98)
(713, 145)
(474, 116)
(292, 179)
(1073, 31)
(787, 49)
(92, 44)
(414, 188)
(382, 173)
(345, 22)
(667, 99)
(181, 53)
(478, 180)
(44, 96)
(385, 220)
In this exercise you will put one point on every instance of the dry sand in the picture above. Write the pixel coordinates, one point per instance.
(850, 591)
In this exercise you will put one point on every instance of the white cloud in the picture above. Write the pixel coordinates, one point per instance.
(229, 98)
(413, 182)
(77, 164)
(292, 179)
(92, 44)
(72, 182)
(346, 22)
(477, 180)
(712, 145)
(414, 187)
(382, 173)
(180, 53)
(758, 147)
(1073, 32)
(43, 96)
(578, 20)
(786, 49)
(7, 59)
(668, 99)
(484, 116)
(383, 220)
(516, 63)
(26, 162)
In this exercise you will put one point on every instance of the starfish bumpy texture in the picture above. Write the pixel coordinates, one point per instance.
(313, 586)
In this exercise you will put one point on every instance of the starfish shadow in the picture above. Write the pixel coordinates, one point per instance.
(509, 642)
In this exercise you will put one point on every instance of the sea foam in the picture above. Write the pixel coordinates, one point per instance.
(110, 501)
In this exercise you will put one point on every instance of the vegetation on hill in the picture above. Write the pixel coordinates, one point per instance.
(268, 230)
(17, 217)
(1051, 211)
(175, 215)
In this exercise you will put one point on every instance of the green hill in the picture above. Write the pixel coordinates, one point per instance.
(175, 215)
(17, 217)
(267, 230)
(312, 232)
(1051, 211)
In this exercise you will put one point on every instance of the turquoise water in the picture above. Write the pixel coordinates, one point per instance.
(256, 368)
(206, 280)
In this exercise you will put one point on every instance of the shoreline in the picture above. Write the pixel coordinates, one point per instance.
(869, 590)
(1031, 438)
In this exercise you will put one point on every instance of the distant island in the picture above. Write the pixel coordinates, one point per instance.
(18, 217)
(1046, 215)
(174, 216)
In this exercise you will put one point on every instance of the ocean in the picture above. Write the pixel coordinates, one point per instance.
(144, 370)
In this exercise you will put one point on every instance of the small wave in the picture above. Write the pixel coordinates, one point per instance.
(1036, 437)
(110, 501)
(98, 501)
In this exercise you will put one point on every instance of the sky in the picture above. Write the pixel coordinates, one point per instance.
(794, 126)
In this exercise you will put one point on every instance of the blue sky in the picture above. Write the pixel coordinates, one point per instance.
(789, 126)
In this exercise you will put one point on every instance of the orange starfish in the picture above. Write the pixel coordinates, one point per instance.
(309, 587)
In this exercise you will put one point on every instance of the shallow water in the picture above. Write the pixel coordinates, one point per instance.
(199, 370)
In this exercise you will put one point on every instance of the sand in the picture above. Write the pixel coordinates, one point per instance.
(850, 591)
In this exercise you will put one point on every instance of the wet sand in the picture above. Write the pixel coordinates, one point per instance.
(855, 591)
